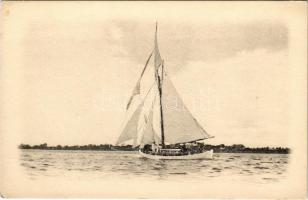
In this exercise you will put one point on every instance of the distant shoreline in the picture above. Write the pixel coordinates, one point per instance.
(236, 148)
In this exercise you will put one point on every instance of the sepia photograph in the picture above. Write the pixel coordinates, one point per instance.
(153, 99)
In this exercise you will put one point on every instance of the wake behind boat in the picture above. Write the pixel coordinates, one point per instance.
(157, 120)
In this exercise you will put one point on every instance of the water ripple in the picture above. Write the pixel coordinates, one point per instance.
(98, 164)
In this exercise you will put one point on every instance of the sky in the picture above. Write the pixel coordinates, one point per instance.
(73, 74)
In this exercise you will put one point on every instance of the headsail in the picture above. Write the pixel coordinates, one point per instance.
(129, 131)
(147, 132)
(135, 103)
(136, 90)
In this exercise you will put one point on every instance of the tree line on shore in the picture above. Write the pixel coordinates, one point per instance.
(236, 148)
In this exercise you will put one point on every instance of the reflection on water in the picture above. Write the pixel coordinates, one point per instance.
(259, 168)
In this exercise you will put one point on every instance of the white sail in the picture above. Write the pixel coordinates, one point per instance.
(144, 126)
(146, 129)
(130, 129)
(134, 106)
(137, 92)
(179, 124)
(133, 125)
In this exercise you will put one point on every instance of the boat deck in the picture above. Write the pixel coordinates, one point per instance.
(171, 152)
(178, 156)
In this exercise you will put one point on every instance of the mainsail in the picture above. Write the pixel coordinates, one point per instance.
(155, 112)
(179, 124)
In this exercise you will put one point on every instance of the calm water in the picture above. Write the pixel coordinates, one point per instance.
(257, 168)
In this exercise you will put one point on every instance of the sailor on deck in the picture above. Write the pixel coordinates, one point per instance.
(154, 149)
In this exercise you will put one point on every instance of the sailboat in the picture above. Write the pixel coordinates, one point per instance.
(157, 121)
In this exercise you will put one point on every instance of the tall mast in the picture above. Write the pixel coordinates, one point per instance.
(161, 111)
(159, 63)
